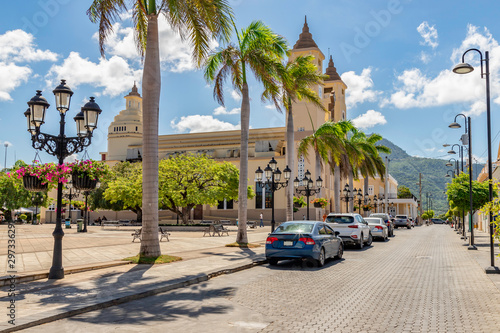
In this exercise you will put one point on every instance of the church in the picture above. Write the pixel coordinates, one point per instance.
(125, 144)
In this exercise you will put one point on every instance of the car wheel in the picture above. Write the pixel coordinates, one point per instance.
(408, 227)
(321, 259)
(370, 239)
(386, 237)
(361, 244)
(273, 262)
(391, 234)
(341, 252)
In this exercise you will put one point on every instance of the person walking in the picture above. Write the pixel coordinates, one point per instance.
(261, 220)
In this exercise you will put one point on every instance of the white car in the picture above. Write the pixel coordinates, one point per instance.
(352, 227)
(378, 226)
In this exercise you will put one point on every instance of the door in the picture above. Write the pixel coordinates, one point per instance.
(198, 212)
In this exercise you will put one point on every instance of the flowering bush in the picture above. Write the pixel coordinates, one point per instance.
(321, 201)
(94, 169)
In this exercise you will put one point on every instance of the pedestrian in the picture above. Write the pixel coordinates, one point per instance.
(261, 220)
(104, 218)
(303, 217)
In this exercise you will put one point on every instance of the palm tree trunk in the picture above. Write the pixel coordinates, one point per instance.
(290, 160)
(365, 190)
(317, 173)
(241, 236)
(336, 188)
(151, 86)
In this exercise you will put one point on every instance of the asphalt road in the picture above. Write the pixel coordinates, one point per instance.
(422, 280)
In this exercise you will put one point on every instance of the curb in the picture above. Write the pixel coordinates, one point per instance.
(38, 275)
(133, 297)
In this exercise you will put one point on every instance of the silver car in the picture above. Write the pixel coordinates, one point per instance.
(379, 228)
(353, 229)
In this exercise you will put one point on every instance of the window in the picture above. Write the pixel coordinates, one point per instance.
(370, 189)
(301, 129)
(300, 169)
(129, 103)
(136, 128)
(329, 230)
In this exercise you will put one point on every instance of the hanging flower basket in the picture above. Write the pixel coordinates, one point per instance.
(82, 181)
(34, 184)
(297, 205)
(317, 205)
(319, 202)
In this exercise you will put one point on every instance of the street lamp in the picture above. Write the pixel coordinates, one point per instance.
(273, 177)
(367, 200)
(464, 68)
(460, 153)
(60, 146)
(347, 196)
(452, 174)
(360, 198)
(6, 145)
(454, 124)
(308, 189)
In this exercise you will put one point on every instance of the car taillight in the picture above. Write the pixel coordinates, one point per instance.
(270, 240)
(353, 226)
(307, 240)
(378, 227)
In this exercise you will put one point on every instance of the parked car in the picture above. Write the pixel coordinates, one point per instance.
(353, 229)
(402, 221)
(303, 240)
(388, 222)
(378, 227)
(437, 221)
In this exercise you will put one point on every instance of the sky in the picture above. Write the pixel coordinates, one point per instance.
(395, 56)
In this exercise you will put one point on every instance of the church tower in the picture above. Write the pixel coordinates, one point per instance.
(126, 130)
(334, 94)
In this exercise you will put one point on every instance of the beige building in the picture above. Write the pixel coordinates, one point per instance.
(125, 144)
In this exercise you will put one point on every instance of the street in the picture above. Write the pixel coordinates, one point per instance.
(422, 280)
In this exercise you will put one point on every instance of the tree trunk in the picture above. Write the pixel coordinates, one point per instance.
(139, 215)
(151, 86)
(317, 171)
(241, 236)
(365, 186)
(290, 160)
(336, 188)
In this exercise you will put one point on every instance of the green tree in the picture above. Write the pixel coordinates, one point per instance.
(198, 21)
(404, 192)
(458, 193)
(189, 180)
(297, 77)
(260, 50)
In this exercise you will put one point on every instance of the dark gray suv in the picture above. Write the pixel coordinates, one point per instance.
(402, 221)
(387, 220)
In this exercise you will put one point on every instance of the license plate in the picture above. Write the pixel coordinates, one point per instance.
(287, 243)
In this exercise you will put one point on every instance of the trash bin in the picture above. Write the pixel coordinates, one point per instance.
(79, 225)
(68, 224)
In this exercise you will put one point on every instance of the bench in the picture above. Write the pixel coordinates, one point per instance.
(115, 224)
(163, 233)
(207, 222)
(225, 222)
(136, 234)
(215, 229)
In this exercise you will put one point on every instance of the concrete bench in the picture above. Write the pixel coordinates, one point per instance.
(115, 224)
(225, 222)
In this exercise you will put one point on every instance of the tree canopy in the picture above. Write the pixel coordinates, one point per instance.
(458, 193)
(404, 192)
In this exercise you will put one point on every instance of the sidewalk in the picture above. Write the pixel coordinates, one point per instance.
(45, 300)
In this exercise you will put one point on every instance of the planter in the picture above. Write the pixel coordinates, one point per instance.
(366, 209)
(33, 184)
(81, 181)
(317, 205)
(297, 205)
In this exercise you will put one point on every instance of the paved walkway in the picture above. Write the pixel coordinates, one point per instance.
(45, 301)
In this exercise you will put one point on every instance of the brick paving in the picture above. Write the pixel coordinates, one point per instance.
(422, 280)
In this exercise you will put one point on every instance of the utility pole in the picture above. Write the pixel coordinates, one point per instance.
(386, 191)
(420, 196)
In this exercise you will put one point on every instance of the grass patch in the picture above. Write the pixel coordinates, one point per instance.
(163, 259)
(242, 245)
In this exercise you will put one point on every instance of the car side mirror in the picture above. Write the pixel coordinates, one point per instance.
(337, 233)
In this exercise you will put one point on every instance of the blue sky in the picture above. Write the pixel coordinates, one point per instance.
(395, 56)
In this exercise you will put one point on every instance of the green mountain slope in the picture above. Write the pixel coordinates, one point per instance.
(406, 168)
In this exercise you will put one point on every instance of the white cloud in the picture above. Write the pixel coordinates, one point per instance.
(359, 87)
(222, 110)
(199, 123)
(236, 95)
(12, 77)
(429, 34)
(175, 53)
(115, 75)
(425, 57)
(270, 107)
(369, 119)
(71, 158)
(18, 46)
(416, 89)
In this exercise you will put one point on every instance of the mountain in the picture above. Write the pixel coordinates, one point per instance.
(405, 169)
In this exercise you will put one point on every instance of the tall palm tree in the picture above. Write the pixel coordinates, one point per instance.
(198, 21)
(261, 50)
(296, 78)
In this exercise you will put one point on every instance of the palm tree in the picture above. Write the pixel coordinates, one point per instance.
(297, 77)
(261, 50)
(330, 146)
(198, 21)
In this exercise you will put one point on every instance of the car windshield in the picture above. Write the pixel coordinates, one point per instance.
(401, 217)
(294, 228)
(340, 219)
(372, 220)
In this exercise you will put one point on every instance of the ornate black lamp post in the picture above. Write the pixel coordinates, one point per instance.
(273, 176)
(347, 197)
(60, 146)
(469, 140)
(359, 193)
(367, 201)
(375, 203)
(308, 189)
